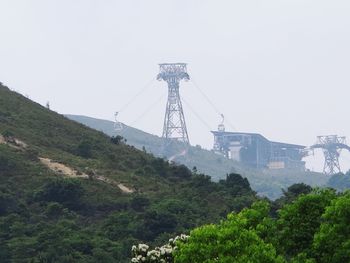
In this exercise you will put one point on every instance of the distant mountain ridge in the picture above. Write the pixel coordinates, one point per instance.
(266, 182)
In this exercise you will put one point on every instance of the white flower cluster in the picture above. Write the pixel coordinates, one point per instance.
(142, 254)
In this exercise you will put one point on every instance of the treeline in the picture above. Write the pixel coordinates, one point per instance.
(314, 228)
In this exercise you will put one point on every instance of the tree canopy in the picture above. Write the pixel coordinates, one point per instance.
(313, 228)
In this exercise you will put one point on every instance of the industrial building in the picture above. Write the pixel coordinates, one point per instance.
(254, 150)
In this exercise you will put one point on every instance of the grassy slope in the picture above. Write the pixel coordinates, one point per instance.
(168, 199)
(267, 183)
(206, 161)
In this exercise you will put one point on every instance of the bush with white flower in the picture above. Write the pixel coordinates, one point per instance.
(143, 254)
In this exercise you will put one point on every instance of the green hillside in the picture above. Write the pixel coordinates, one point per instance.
(69, 193)
(205, 161)
(264, 182)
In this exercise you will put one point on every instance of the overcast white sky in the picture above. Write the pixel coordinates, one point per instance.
(279, 68)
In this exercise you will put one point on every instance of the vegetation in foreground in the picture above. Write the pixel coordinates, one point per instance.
(312, 229)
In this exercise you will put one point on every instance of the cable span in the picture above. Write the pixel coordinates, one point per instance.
(210, 102)
(148, 109)
(144, 88)
(196, 114)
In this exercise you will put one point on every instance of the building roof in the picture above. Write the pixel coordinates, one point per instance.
(280, 144)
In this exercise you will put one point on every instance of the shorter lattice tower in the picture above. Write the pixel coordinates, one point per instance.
(331, 146)
(174, 122)
(118, 126)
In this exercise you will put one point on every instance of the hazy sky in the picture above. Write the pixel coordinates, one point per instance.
(280, 68)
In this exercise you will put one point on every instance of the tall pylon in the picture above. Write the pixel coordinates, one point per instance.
(331, 146)
(174, 122)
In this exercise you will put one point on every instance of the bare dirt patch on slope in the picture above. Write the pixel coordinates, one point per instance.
(65, 170)
(121, 186)
(61, 168)
(2, 139)
(13, 142)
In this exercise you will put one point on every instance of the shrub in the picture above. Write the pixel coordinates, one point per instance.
(61, 190)
(118, 139)
(84, 149)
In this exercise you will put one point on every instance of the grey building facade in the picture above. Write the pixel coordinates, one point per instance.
(254, 150)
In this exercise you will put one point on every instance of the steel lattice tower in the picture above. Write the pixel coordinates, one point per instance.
(331, 146)
(174, 121)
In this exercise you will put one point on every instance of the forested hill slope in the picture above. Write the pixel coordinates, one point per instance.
(266, 183)
(69, 193)
(205, 161)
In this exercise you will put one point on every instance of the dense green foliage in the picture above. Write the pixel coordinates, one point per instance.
(48, 217)
(265, 182)
(314, 228)
(233, 240)
(299, 221)
(332, 241)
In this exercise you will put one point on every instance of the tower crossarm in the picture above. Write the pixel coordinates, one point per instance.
(331, 145)
(343, 146)
(173, 72)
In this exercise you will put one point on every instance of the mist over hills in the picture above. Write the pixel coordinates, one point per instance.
(265, 182)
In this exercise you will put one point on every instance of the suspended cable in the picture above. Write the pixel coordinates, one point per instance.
(196, 114)
(210, 102)
(205, 96)
(148, 109)
(142, 90)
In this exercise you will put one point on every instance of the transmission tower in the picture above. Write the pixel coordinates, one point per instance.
(118, 126)
(332, 146)
(174, 122)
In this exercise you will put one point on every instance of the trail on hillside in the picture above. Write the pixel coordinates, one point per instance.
(70, 172)
(13, 142)
(62, 169)
(121, 186)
